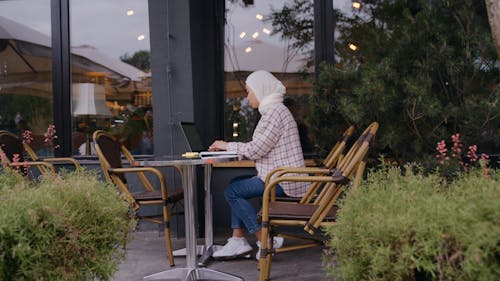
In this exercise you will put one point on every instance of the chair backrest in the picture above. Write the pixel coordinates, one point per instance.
(110, 151)
(11, 145)
(349, 170)
(334, 157)
(336, 154)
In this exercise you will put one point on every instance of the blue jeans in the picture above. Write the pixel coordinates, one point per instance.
(243, 214)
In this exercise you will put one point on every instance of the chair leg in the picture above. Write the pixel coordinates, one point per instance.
(168, 240)
(264, 254)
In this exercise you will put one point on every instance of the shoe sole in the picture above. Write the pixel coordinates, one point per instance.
(245, 255)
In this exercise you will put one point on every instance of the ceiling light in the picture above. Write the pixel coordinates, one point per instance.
(130, 12)
(248, 49)
(243, 34)
(255, 35)
(356, 5)
(141, 37)
(259, 16)
(266, 31)
(353, 47)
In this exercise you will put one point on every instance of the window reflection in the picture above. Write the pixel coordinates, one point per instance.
(111, 73)
(254, 40)
(26, 70)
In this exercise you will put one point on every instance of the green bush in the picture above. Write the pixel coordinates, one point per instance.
(67, 227)
(402, 225)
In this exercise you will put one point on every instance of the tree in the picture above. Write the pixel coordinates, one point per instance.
(294, 22)
(493, 7)
(423, 69)
(140, 59)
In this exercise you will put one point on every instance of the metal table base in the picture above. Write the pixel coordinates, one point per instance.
(192, 271)
(189, 274)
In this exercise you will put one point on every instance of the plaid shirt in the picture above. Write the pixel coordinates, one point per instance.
(275, 143)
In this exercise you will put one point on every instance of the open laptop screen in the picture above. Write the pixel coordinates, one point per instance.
(192, 137)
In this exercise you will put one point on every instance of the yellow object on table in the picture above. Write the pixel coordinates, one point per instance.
(191, 155)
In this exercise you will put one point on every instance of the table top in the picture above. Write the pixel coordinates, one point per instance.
(173, 160)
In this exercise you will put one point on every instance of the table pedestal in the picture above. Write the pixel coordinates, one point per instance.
(189, 274)
(191, 271)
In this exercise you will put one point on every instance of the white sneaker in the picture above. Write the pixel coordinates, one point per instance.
(235, 247)
(277, 243)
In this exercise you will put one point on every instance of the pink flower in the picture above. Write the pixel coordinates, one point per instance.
(50, 136)
(27, 137)
(484, 156)
(471, 154)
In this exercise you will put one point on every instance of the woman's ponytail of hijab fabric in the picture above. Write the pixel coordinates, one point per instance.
(267, 89)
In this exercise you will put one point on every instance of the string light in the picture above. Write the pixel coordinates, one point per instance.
(141, 37)
(266, 31)
(255, 35)
(353, 47)
(259, 16)
(243, 34)
(248, 49)
(130, 12)
(356, 5)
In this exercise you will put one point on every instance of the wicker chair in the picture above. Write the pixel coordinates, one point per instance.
(109, 150)
(310, 215)
(11, 145)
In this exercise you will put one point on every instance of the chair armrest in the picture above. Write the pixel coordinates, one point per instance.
(33, 163)
(139, 170)
(63, 160)
(281, 171)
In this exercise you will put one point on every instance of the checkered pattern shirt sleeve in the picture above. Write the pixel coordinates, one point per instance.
(275, 143)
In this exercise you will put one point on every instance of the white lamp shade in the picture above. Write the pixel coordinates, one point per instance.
(89, 99)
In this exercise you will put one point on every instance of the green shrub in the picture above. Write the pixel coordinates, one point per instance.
(405, 226)
(67, 227)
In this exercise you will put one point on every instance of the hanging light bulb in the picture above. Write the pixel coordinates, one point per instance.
(356, 5)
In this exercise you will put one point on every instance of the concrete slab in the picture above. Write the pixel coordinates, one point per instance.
(146, 255)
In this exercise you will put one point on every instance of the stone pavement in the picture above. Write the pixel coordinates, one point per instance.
(146, 254)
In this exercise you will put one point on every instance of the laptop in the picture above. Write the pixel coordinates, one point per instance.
(194, 143)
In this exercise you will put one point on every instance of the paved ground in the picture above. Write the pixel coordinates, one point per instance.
(146, 255)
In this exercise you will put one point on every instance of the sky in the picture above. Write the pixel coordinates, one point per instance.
(105, 25)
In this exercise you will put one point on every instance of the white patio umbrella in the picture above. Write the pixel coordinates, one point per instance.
(26, 58)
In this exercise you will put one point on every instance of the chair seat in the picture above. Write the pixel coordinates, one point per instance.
(294, 211)
(173, 196)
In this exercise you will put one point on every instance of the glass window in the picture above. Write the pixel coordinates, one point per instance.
(111, 78)
(270, 35)
(26, 70)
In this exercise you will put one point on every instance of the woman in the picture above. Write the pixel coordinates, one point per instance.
(275, 143)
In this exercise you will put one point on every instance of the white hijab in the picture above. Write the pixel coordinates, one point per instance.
(267, 89)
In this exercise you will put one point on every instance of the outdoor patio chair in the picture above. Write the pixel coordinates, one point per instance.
(11, 145)
(109, 150)
(311, 215)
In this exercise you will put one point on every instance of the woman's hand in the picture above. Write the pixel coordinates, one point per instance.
(218, 145)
